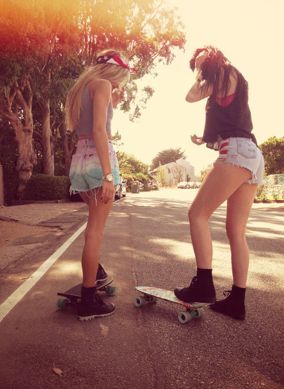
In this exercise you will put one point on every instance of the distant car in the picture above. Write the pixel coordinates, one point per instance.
(195, 184)
(120, 191)
(154, 186)
(135, 186)
(183, 185)
(75, 197)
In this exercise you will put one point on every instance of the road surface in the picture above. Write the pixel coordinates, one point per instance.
(147, 242)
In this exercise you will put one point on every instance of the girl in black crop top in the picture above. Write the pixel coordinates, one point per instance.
(233, 178)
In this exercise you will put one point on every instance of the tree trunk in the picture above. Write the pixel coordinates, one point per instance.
(67, 155)
(21, 98)
(68, 144)
(26, 159)
(48, 150)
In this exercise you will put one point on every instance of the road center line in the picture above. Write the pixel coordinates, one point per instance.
(22, 290)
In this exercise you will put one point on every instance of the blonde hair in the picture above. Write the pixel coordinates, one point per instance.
(114, 73)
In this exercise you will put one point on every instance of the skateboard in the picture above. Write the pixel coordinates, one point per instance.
(72, 296)
(149, 295)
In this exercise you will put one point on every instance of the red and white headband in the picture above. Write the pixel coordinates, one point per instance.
(112, 59)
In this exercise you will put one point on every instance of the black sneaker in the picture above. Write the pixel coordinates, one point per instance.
(101, 274)
(89, 310)
(197, 292)
(230, 306)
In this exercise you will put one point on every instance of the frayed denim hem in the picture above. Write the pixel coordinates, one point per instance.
(251, 180)
(90, 193)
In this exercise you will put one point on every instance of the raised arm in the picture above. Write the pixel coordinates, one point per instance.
(200, 89)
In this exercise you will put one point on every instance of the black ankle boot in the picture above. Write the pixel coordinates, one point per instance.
(101, 274)
(92, 305)
(233, 305)
(199, 291)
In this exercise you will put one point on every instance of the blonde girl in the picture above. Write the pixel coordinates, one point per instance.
(94, 170)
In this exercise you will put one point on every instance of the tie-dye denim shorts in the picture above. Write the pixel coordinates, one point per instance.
(85, 171)
(243, 152)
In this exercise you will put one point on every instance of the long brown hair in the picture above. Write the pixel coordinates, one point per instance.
(216, 69)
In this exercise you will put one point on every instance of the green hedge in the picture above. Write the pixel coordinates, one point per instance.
(44, 187)
(8, 159)
(10, 179)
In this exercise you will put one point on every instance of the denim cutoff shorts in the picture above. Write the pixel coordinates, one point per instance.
(242, 152)
(85, 170)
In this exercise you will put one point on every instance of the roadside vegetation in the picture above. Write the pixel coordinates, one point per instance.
(44, 45)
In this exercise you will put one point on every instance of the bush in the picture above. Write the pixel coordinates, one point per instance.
(10, 177)
(44, 187)
(272, 189)
(8, 159)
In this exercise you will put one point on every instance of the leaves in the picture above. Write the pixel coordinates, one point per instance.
(104, 330)
(49, 43)
(166, 156)
(57, 371)
(273, 152)
(128, 164)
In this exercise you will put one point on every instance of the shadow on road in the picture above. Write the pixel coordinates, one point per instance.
(147, 243)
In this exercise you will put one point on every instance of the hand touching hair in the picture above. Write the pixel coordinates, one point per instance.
(213, 65)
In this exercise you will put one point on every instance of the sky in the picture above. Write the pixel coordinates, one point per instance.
(250, 33)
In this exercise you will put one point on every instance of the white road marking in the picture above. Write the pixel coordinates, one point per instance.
(22, 290)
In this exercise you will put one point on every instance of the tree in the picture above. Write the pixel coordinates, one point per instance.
(204, 172)
(28, 31)
(273, 152)
(18, 110)
(166, 156)
(8, 158)
(131, 168)
(147, 31)
(161, 176)
(178, 173)
(44, 46)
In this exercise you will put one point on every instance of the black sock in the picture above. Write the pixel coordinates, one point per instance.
(204, 274)
(238, 293)
(87, 294)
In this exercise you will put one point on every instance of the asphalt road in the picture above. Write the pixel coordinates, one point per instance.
(147, 243)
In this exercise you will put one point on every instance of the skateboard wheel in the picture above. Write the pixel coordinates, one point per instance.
(184, 317)
(199, 312)
(61, 304)
(110, 290)
(139, 301)
(196, 313)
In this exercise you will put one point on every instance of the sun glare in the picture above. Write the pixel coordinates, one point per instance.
(250, 36)
(248, 41)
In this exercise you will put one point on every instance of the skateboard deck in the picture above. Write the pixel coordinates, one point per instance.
(149, 295)
(72, 296)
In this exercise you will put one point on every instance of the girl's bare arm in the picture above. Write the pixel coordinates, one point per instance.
(101, 91)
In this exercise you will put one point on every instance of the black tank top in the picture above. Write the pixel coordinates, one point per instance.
(233, 120)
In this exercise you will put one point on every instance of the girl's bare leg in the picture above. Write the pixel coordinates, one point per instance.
(98, 213)
(91, 304)
(222, 181)
(238, 209)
